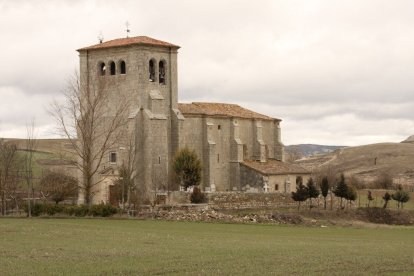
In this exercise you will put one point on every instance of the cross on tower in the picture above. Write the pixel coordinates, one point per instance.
(127, 28)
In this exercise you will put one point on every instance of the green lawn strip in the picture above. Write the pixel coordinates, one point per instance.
(108, 247)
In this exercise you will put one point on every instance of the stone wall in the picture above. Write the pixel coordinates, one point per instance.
(250, 180)
(238, 200)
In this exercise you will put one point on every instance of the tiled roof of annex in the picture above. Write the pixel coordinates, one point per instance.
(221, 110)
(274, 167)
(137, 40)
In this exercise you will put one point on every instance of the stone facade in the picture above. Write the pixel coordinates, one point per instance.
(144, 71)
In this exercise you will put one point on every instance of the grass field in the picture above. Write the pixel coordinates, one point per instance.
(133, 247)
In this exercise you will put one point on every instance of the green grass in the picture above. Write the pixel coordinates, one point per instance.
(132, 247)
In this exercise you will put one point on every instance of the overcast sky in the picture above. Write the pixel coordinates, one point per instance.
(336, 72)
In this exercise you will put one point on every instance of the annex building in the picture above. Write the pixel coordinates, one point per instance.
(240, 150)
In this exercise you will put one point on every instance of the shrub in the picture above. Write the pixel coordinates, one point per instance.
(197, 196)
(77, 210)
(103, 210)
(52, 209)
(36, 210)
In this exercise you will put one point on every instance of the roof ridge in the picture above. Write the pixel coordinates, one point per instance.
(126, 41)
(221, 109)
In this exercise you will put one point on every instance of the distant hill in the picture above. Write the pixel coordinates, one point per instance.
(409, 139)
(311, 149)
(369, 161)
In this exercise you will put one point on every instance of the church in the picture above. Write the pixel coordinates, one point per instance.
(240, 150)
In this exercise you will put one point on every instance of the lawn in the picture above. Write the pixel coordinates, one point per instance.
(134, 247)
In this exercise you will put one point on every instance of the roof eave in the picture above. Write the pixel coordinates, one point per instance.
(172, 46)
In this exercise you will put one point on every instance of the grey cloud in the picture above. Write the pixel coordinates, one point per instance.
(318, 65)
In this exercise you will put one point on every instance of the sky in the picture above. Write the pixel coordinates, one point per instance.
(336, 72)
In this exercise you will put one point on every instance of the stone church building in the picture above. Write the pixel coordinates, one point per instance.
(240, 150)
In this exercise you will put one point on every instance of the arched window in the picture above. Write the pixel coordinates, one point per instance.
(113, 68)
(152, 70)
(102, 69)
(161, 69)
(123, 67)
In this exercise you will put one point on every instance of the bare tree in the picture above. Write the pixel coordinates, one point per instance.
(93, 125)
(126, 183)
(8, 172)
(28, 164)
(57, 186)
(159, 184)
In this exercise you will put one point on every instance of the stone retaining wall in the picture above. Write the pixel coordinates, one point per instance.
(238, 200)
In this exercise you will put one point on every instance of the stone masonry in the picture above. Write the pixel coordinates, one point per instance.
(144, 71)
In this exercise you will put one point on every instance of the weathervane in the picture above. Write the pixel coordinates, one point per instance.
(100, 37)
(127, 28)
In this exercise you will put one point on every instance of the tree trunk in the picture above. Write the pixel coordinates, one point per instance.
(331, 201)
(3, 207)
(29, 197)
(324, 203)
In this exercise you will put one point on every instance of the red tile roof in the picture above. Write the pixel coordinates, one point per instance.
(275, 167)
(137, 40)
(221, 110)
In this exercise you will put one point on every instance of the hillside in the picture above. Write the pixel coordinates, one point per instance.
(369, 161)
(54, 146)
(50, 154)
(310, 149)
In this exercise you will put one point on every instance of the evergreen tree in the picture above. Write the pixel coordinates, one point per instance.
(301, 193)
(341, 189)
(400, 196)
(325, 189)
(187, 168)
(351, 194)
(369, 197)
(313, 191)
(386, 198)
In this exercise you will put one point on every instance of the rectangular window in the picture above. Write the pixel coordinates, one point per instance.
(219, 127)
(112, 157)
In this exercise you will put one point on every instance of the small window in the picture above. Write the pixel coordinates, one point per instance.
(112, 157)
(219, 127)
(276, 187)
(218, 158)
(123, 67)
(102, 69)
(161, 68)
(113, 68)
(151, 70)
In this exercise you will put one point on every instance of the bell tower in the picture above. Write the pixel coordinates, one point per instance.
(142, 70)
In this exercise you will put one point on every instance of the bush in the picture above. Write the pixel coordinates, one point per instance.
(36, 209)
(197, 196)
(103, 210)
(77, 210)
(52, 209)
